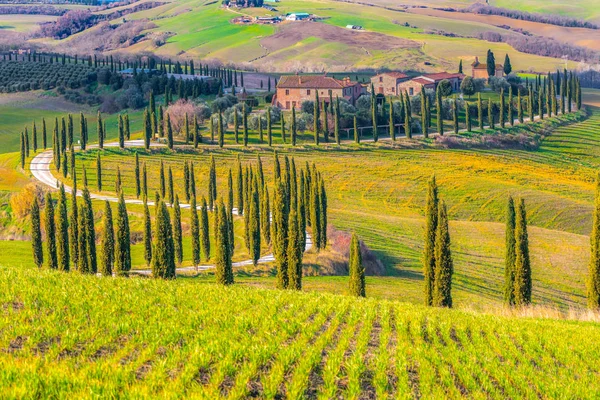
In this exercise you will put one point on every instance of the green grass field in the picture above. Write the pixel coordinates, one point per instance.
(59, 338)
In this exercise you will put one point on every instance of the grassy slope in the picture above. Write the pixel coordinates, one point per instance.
(60, 338)
(379, 192)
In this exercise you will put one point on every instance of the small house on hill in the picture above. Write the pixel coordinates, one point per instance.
(480, 71)
(292, 90)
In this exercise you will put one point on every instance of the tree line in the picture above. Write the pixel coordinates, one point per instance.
(299, 201)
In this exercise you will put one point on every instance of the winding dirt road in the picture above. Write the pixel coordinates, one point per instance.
(40, 169)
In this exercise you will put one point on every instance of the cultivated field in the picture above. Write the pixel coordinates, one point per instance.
(59, 338)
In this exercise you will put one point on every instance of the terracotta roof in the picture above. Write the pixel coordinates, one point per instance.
(312, 82)
(422, 81)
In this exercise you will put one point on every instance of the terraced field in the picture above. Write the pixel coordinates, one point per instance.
(59, 338)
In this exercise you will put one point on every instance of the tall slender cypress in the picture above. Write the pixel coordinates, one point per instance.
(74, 229)
(204, 230)
(50, 229)
(294, 253)
(254, 228)
(356, 270)
(279, 234)
(177, 234)
(522, 282)
(444, 268)
(265, 216)
(171, 189)
(479, 111)
(240, 187)
(62, 232)
(195, 232)
(438, 107)
(163, 257)
(98, 172)
(431, 215)
(147, 234)
(163, 188)
(36, 234)
(510, 253)
(212, 183)
(107, 242)
(223, 254)
(122, 242)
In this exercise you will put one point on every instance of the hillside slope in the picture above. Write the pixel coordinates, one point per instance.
(67, 335)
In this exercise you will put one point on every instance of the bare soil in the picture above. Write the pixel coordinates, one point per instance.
(291, 33)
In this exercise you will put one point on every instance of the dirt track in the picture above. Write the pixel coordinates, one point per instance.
(290, 33)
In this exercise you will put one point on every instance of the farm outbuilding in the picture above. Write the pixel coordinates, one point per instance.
(297, 16)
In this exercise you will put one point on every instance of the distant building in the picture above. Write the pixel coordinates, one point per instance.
(297, 16)
(431, 81)
(292, 90)
(354, 27)
(387, 83)
(479, 70)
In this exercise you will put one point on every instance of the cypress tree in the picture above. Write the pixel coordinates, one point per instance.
(171, 190)
(283, 131)
(479, 111)
(118, 185)
(236, 126)
(137, 176)
(491, 114)
(177, 234)
(74, 229)
(392, 122)
(186, 180)
(230, 192)
(294, 253)
(145, 182)
(121, 133)
(444, 268)
(336, 119)
(356, 270)
(122, 242)
(220, 130)
(192, 181)
(147, 234)
(195, 232)
(22, 153)
(468, 116)
(62, 232)
(541, 104)
(44, 134)
(26, 136)
(356, 134)
(254, 227)
(510, 253)
(280, 234)
(34, 137)
(269, 128)
(50, 228)
(265, 216)
(163, 257)
(245, 124)
(455, 116)
(212, 183)
(65, 165)
(240, 187)
(107, 258)
(322, 214)
(163, 189)
(593, 278)
(83, 264)
(438, 107)
(98, 172)
(316, 118)
(223, 254)
(187, 129)
(169, 133)
(204, 231)
(260, 130)
(502, 108)
(294, 127)
(36, 234)
(424, 124)
(374, 114)
(511, 118)
(431, 215)
(196, 133)
(530, 105)
(325, 124)
(315, 213)
(147, 130)
(407, 117)
(520, 108)
(522, 282)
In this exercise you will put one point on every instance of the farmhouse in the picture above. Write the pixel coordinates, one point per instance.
(292, 90)
(387, 83)
(431, 81)
(479, 70)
